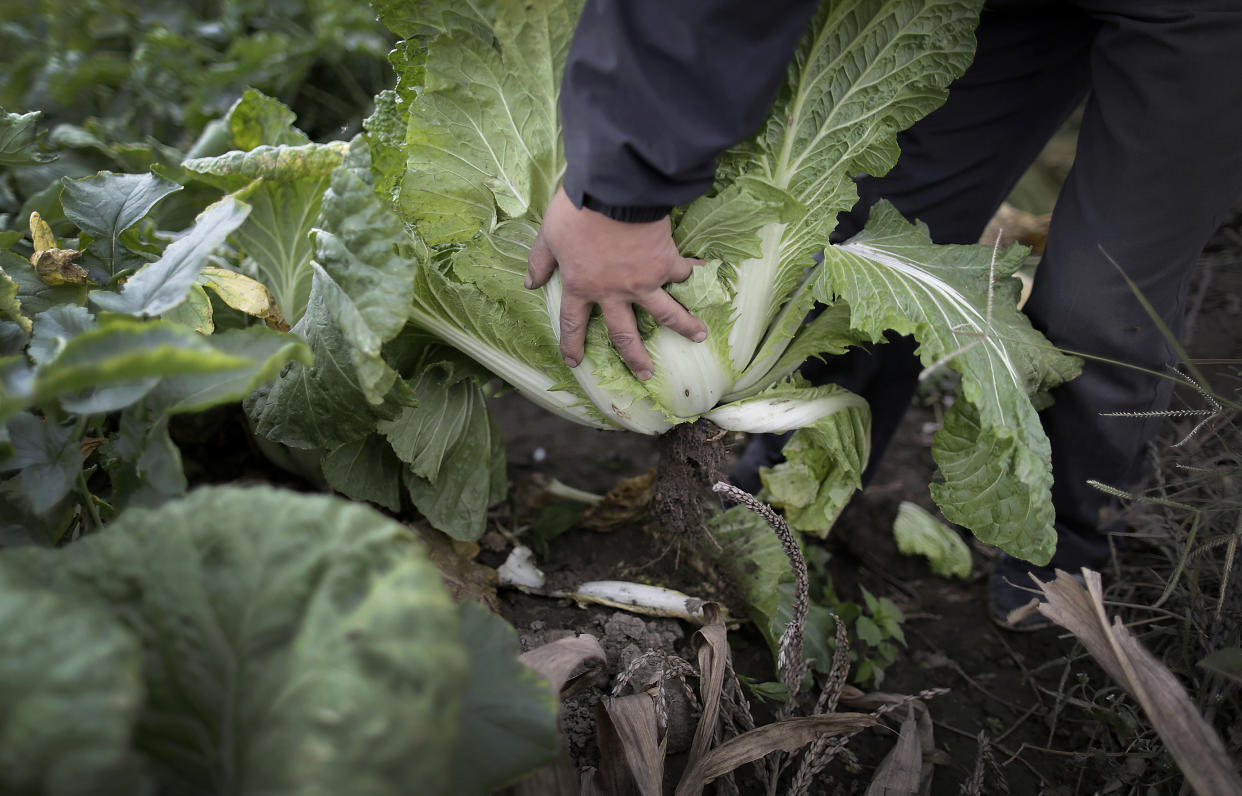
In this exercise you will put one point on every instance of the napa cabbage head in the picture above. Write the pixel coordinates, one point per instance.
(467, 150)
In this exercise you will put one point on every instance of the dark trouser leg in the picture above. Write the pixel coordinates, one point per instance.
(1159, 162)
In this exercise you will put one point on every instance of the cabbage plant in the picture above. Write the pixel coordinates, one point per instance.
(257, 641)
(467, 150)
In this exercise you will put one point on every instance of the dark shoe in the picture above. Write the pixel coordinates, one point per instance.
(1012, 595)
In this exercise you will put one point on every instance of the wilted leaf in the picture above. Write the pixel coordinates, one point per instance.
(40, 233)
(899, 772)
(631, 746)
(712, 646)
(568, 663)
(243, 294)
(787, 736)
(194, 313)
(36, 295)
(625, 503)
(1193, 743)
(467, 580)
(57, 267)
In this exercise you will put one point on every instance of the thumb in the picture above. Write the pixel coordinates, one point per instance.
(540, 264)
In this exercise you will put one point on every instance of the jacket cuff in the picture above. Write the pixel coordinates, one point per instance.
(630, 214)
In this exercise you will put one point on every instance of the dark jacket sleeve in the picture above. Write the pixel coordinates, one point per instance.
(654, 90)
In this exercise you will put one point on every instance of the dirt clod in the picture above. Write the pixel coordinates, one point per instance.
(692, 458)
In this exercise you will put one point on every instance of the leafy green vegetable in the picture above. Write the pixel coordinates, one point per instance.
(70, 693)
(481, 156)
(365, 469)
(18, 139)
(45, 458)
(165, 69)
(365, 382)
(917, 532)
(992, 449)
(290, 642)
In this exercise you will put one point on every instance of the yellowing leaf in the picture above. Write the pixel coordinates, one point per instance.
(243, 294)
(194, 313)
(41, 233)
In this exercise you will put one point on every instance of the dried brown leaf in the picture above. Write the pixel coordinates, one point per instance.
(712, 645)
(786, 736)
(57, 267)
(1193, 743)
(567, 663)
(559, 778)
(631, 746)
(901, 770)
(905, 705)
(625, 504)
(466, 579)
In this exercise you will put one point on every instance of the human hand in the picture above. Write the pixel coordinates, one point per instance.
(615, 264)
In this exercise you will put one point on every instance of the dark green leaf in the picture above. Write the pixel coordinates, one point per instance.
(508, 722)
(46, 456)
(18, 134)
(552, 521)
(265, 351)
(471, 474)
(120, 352)
(365, 469)
(107, 204)
(70, 693)
(163, 284)
(320, 405)
(12, 339)
(292, 643)
(55, 327)
(144, 463)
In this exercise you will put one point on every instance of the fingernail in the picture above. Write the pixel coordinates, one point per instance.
(528, 282)
(571, 362)
(699, 337)
(644, 374)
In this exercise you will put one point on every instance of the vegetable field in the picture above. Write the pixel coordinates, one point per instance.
(298, 496)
